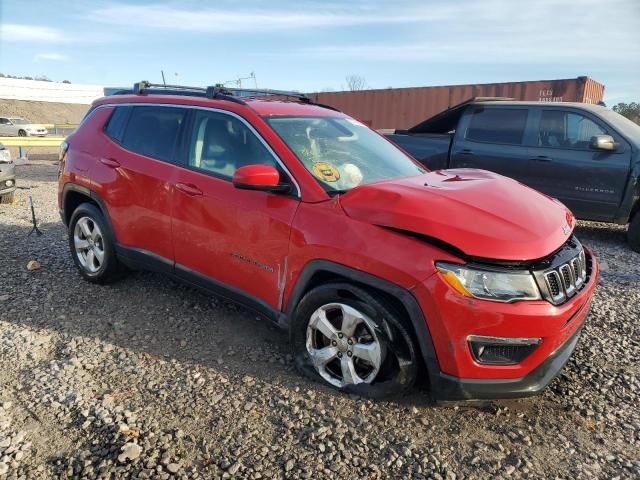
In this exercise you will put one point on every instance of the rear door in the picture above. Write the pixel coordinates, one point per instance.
(493, 138)
(590, 182)
(135, 177)
(224, 237)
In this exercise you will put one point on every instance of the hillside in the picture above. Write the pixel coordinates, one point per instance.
(43, 112)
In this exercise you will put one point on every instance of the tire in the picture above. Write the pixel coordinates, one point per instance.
(633, 233)
(382, 354)
(7, 198)
(92, 246)
(22, 133)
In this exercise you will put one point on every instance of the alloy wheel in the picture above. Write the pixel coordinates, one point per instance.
(89, 244)
(343, 345)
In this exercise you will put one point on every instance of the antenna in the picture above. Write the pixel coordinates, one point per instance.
(163, 82)
(238, 81)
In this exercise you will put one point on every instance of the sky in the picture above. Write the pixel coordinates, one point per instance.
(311, 45)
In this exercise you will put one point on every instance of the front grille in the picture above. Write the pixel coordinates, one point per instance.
(563, 280)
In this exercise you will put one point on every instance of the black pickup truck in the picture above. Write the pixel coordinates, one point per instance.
(587, 156)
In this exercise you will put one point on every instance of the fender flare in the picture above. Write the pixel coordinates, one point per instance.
(404, 296)
(87, 192)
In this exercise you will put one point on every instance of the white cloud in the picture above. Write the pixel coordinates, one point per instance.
(494, 32)
(54, 57)
(222, 20)
(13, 32)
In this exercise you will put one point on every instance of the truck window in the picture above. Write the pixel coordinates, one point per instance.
(562, 129)
(497, 125)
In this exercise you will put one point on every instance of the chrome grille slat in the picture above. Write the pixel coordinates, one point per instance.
(565, 280)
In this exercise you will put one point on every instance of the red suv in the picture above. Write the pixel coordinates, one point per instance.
(382, 272)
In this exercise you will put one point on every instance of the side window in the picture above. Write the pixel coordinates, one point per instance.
(497, 125)
(221, 144)
(561, 129)
(115, 125)
(4, 121)
(153, 131)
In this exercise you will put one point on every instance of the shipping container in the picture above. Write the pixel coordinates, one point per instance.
(404, 107)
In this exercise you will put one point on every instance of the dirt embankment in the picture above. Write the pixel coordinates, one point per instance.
(43, 112)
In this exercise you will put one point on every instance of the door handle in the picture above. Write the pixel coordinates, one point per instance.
(466, 151)
(542, 158)
(189, 189)
(110, 162)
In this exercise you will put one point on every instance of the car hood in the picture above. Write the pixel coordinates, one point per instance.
(478, 212)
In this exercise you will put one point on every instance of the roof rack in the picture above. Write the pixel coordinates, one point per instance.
(218, 92)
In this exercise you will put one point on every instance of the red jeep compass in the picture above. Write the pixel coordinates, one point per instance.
(381, 271)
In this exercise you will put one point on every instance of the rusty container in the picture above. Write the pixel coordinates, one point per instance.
(404, 107)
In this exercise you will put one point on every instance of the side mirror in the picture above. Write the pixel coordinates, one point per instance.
(603, 142)
(258, 177)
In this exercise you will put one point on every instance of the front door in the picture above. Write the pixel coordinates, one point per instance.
(231, 238)
(590, 182)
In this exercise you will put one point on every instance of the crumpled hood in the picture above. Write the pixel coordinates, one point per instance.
(479, 212)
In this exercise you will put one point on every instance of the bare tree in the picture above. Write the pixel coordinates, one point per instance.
(356, 82)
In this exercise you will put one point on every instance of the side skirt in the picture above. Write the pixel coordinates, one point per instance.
(139, 259)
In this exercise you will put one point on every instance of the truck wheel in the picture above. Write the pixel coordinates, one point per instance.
(347, 339)
(7, 197)
(92, 246)
(633, 233)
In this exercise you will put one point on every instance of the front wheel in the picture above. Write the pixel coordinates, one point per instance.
(349, 340)
(22, 133)
(633, 233)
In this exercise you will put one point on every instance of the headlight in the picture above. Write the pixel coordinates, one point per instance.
(490, 285)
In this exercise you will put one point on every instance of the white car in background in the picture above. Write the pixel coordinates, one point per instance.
(20, 127)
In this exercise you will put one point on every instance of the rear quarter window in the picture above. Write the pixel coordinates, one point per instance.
(153, 131)
(115, 125)
(497, 125)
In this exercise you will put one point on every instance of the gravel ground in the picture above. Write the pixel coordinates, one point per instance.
(151, 379)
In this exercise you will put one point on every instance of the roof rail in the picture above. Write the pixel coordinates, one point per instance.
(256, 92)
(140, 87)
(218, 92)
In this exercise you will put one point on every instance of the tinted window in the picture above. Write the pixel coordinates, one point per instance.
(115, 125)
(566, 130)
(497, 125)
(153, 131)
(221, 144)
(4, 121)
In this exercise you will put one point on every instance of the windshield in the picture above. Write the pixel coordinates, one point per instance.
(342, 153)
(20, 121)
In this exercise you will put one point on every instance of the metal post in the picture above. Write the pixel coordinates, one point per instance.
(22, 153)
(35, 228)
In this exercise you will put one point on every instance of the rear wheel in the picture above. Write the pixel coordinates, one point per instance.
(92, 246)
(7, 197)
(347, 339)
(633, 233)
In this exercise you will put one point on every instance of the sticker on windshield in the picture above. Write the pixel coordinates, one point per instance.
(325, 171)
